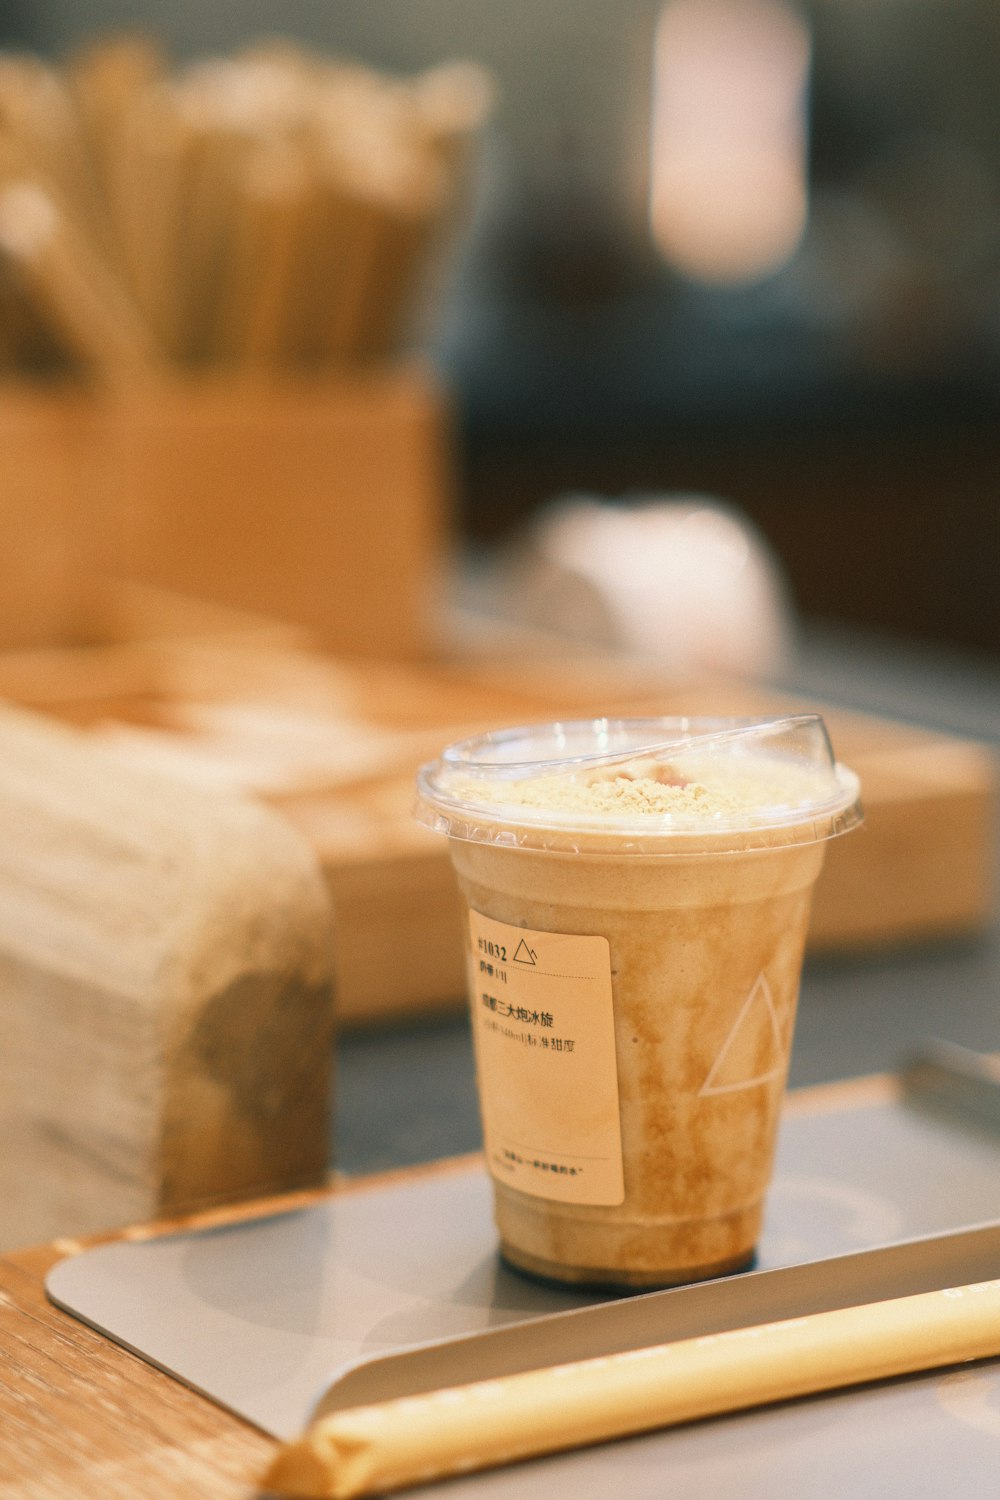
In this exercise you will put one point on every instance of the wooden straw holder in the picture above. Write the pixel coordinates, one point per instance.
(322, 502)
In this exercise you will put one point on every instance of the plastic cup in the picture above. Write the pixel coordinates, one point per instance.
(638, 894)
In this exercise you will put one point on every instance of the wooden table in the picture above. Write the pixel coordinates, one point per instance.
(81, 1416)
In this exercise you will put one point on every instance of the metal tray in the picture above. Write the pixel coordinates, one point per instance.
(262, 1316)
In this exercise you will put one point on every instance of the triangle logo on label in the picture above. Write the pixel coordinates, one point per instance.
(753, 1052)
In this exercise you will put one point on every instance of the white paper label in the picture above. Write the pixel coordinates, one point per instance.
(543, 1025)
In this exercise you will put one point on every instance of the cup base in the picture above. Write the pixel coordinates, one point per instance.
(620, 1247)
(599, 1278)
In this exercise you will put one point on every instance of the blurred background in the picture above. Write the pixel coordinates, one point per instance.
(745, 250)
(374, 374)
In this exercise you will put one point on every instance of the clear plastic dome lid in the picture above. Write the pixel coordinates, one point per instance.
(643, 785)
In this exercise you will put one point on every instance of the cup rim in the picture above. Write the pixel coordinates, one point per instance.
(494, 758)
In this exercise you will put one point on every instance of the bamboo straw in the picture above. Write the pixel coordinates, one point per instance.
(343, 100)
(27, 345)
(220, 144)
(416, 1439)
(66, 282)
(271, 208)
(451, 104)
(345, 225)
(149, 168)
(385, 196)
(106, 79)
(266, 251)
(397, 257)
(295, 60)
(10, 320)
(36, 108)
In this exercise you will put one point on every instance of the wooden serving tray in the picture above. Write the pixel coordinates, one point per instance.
(921, 868)
(335, 747)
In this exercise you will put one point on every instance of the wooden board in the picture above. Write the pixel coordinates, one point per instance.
(165, 970)
(334, 748)
(123, 644)
(921, 868)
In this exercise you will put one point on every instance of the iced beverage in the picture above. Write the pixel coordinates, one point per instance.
(638, 893)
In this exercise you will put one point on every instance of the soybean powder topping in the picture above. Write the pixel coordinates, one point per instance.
(687, 785)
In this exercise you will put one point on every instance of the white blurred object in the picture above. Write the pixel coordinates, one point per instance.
(683, 579)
